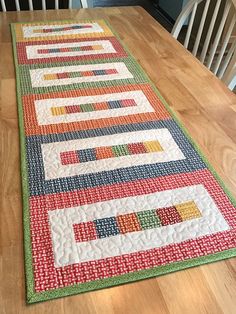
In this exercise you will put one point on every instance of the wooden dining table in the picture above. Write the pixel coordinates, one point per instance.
(206, 107)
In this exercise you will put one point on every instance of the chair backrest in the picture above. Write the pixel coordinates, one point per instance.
(217, 49)
(84, 4)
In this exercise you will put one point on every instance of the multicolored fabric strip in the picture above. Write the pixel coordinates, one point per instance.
(147, 219)
(114, 190)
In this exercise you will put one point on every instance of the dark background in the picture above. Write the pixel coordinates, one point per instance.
(150, 6)
(10, 4)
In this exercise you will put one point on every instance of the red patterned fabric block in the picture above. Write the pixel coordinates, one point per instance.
(128, 102)
(68, 158)
(62, 75)
(136, 148)
(85, 231)
(72, 109)
(169, 216)
(111, 71)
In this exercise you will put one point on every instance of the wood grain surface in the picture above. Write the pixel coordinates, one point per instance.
(207, 109)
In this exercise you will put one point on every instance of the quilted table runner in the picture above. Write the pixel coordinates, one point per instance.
(114, 189)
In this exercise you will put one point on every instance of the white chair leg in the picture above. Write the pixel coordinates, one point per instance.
(229, 77)
(84, 3)
(17, 5)
(3, 6)
(44, 5)
(232, 84)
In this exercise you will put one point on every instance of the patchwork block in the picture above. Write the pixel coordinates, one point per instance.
(169, 215)
(70, 50)
(86, 155)
(120, 150)
(149, 219)
(153, 146)
(132, 222)
(177, 156)
(136, 148)
(68, 158)
(39, 118)
(104, 152)
(85, 231)
(91, 107)
(106, 227)
(43, 78)
(188, 210)
(64, 30)
(128, 223)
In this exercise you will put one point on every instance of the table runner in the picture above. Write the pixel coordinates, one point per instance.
(114, 189)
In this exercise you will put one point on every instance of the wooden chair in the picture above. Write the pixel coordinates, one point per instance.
(84, 4)
(217, 49)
